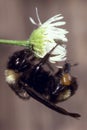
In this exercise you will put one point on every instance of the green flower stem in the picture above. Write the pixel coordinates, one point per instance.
(15, 42)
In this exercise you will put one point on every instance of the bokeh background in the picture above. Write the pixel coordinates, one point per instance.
(16, 114)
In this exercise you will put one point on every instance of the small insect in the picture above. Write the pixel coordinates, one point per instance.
(26, 76)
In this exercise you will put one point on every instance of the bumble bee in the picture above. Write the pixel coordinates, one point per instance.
(27, 78)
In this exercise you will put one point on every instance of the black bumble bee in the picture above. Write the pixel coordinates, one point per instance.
(25, 72)
(27, 78)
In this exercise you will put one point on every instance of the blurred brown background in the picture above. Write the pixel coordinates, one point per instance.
(16, 114)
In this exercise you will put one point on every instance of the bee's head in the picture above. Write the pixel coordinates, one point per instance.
(20, 61)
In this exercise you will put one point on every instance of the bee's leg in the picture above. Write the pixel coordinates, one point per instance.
(67, 67)
(46, 57)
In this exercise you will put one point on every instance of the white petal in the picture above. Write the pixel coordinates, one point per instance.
(60, 30)
(38, 18)
(58, 24)
(55, 18)
(32, 21)
(59, 50)
(57, 59)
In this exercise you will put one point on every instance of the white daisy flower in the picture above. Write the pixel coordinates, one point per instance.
(48, 35)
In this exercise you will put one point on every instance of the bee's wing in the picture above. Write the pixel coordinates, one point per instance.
(49, 104)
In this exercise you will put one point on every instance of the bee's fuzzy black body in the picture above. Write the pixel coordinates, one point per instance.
(32, 79)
